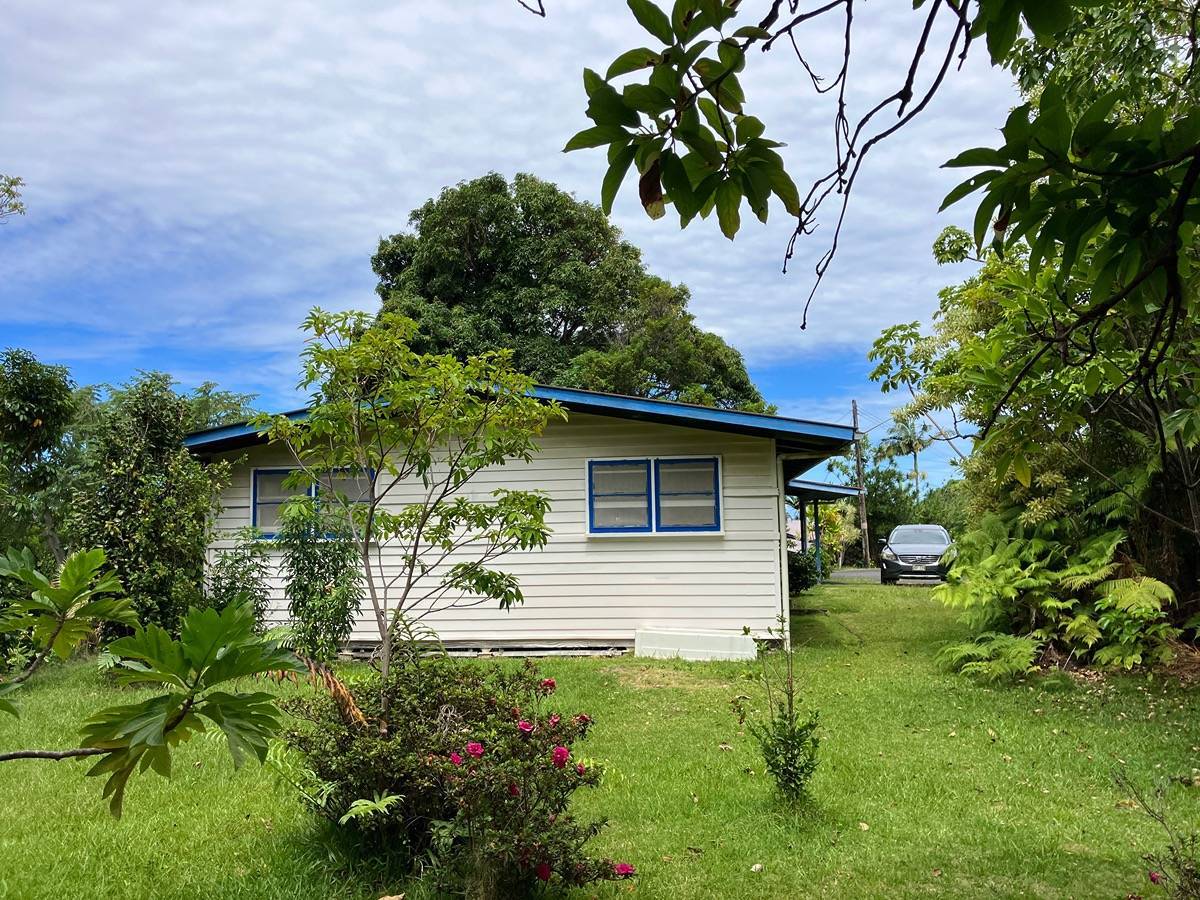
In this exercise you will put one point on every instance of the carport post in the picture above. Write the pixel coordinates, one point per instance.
(803, 527)
(817, 535)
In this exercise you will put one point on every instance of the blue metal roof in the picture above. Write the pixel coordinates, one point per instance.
(819, 490)
(791, 435)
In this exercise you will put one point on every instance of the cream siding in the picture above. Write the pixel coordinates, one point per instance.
(597, 590)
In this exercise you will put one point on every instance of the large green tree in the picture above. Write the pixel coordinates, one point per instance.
(145, 500)
(524, 266)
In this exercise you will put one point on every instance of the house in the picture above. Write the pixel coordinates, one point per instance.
(665, 516)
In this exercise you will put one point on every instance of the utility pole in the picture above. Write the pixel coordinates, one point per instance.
(862, 490)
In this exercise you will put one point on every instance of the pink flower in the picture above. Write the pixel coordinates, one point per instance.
(555, 719)
(560, 757)
(548, 685)
(455, 759)
(475, 749)
(580, 769)
(513, 790)
(543, 871)
(1156, 877)
(525, 727)
(624, 870)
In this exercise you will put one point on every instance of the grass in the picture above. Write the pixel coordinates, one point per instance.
(929, 785)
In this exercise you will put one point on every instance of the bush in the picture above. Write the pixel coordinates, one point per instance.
(992, 657)
(471, 777)
(802, 570)
(239, 575)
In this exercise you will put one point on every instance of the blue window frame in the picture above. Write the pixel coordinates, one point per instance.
(687, 494)
(619, 496)
(668, 495)
(267, 496)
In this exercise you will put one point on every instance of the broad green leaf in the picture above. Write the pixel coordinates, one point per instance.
(729, 198)
(606, 107)
(247, 720)
(596, 136)
(631, 61)
(1046, 18)
(1021, 471)
(977, 156)
(748, 128)
(614, 176)
(785, 189)
(653, 19)
(6, 703)
(678, 186)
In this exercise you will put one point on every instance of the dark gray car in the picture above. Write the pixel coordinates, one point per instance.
(915, 551)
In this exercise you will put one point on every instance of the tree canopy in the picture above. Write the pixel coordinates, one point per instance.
(525, 266)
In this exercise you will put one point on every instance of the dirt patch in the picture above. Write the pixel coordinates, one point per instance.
(645, 677)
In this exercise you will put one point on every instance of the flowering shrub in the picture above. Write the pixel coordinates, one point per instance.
(483, 772)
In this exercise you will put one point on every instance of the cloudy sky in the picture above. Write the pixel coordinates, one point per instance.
(199, 174)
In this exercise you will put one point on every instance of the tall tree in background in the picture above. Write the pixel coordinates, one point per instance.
(37, 408)
(525, 266)
(906, 437)
(10, 197)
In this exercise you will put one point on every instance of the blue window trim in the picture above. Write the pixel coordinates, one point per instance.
(626, 529)
(716, 494)
(267, 535)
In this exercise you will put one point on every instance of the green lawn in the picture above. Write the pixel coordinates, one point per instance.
(929, 785)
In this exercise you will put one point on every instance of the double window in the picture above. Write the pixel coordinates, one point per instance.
(269, 494)
(639, 496)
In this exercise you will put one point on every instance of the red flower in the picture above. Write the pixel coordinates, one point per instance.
(580, 769)
(548, 685)
(583, 719)
(475, 749)
(513, 790)
(525, 727)
(455, 759)
(1156, 877)
(560, 757)
(555, 719)
(624, 870)
(543, 871)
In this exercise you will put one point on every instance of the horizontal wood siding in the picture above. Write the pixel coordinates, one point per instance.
(587, 589)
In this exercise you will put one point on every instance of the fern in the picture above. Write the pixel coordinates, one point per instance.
(365, 809)
(992, 657)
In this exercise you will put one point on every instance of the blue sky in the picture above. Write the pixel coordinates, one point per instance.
(199, 175)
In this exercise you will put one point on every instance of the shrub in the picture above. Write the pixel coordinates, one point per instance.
(239, 575)
(324, 590)
(470, 776)
(802, 570)
(788, 740)
(1076, 593)
(1176, 868)
(992, 656)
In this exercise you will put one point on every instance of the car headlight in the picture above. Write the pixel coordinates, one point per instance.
(887, 554)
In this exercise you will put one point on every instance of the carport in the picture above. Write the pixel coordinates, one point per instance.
(816, 492)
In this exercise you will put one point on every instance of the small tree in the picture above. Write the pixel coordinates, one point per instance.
(392, 439)
(324, 586)
(241, 574)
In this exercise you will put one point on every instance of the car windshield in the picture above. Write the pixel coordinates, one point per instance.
(918, 534)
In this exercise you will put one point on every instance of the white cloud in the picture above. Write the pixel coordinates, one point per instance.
(204, 173)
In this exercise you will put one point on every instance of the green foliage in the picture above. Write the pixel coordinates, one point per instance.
(61, 612)
(213, 649)
(211, 407)
(524, 266)
(144, 499)
(802, 570)
(1175, 868)
(241, 574)
(1073, 592)
(472, 772)
(789, 745)
(992, 657)
(323, 572)
(947, 505)
(10, 197)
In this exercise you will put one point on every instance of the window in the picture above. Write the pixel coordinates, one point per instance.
(269, 495)
(686, 495)
(631, 496)
(619, 495)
